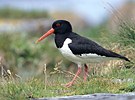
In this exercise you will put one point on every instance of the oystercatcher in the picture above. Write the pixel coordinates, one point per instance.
(78, 49)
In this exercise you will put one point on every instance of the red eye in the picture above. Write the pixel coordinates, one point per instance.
(58, 25)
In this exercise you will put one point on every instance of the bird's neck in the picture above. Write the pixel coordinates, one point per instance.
(59, 39)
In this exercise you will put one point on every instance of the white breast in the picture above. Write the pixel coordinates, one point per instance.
(67, 53)
(65, 48)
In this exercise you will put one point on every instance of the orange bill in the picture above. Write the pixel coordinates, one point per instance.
(51, 31)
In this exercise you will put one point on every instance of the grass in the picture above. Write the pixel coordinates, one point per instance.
(35, 87)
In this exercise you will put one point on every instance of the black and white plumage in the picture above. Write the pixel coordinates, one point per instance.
(78, 49)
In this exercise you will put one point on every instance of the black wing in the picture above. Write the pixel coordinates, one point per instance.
(81, 45)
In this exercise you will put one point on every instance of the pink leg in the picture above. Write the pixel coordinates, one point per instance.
(85, 72)
(76, 75)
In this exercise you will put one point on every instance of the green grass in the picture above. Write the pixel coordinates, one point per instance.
(127, 34)
(36, 87)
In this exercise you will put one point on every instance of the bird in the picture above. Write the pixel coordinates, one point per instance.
(78, 49)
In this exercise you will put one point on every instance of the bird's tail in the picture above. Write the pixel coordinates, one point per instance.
(124, 58)
(113, 54)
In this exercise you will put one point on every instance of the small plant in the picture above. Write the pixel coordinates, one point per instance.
(45, 76)
(127, 34)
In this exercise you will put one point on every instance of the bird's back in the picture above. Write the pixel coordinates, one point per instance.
(83, 46)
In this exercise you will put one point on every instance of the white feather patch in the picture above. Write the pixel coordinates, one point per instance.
(90, 55)
(67, 53)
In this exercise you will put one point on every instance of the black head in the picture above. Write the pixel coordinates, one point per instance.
(61, 27)
(58, 27)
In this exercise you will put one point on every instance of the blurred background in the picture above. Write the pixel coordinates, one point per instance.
(22, 22)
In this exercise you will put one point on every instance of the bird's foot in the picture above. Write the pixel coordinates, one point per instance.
(85, 78)
(68, 84)
(76, 75)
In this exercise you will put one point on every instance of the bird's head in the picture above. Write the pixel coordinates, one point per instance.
(58, 27)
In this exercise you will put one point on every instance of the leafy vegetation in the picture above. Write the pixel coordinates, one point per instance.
(20, 51)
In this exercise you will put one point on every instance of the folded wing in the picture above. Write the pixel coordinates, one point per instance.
(86, 46)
